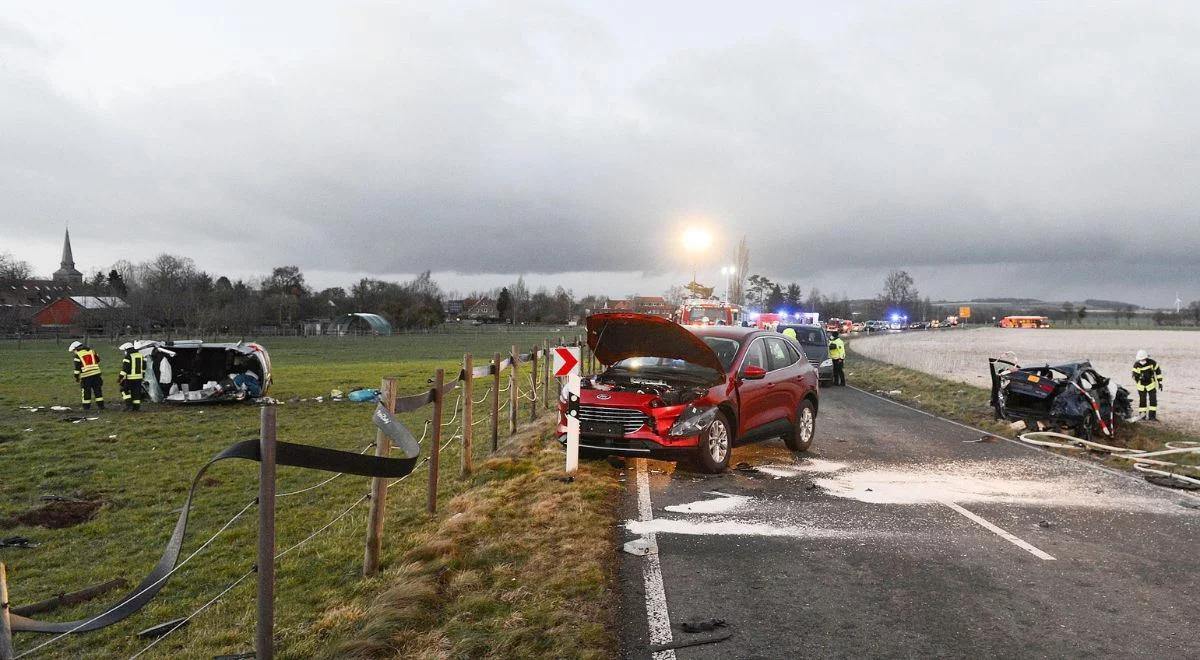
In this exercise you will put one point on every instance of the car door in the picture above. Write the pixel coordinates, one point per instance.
(786, 377)
(753, 395)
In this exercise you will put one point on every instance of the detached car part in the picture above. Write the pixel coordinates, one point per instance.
(1071, 396)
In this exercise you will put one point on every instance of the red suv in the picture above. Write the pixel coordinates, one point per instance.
(670, 391)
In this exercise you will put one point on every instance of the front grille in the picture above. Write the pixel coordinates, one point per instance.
(815, 363)
(630, 419)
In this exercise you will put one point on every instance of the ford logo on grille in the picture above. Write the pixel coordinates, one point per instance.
(604, 397)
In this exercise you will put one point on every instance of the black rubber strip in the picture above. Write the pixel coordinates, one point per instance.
(655, 648)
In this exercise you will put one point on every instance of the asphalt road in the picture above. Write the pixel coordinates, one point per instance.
(897, 536)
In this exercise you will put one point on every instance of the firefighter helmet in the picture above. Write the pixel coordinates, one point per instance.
(75, 345)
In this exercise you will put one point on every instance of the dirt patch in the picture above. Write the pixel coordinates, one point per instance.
(209, 482)
(55, 515)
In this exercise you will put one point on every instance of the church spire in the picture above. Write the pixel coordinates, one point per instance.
(68, 260)
(66, 272)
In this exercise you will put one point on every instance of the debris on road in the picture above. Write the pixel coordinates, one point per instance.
(696, 624)
(746, 467)
(1044, 524)
(697, 641)
(639, 547)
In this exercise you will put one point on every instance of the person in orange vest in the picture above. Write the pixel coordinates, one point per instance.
(87, 374)
(1148, 378)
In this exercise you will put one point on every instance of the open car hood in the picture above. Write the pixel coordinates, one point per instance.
(615, 336)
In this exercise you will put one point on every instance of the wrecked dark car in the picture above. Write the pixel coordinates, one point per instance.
(193, 371)
(1067, 397)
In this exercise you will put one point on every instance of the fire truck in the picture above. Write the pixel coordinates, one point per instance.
(708, 311)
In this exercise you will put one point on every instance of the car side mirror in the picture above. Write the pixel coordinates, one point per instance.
(754, 373)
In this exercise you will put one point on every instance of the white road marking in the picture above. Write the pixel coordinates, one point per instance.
(1024, 545)
(658, 618)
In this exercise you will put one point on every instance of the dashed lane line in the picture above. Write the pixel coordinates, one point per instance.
(1011, 538)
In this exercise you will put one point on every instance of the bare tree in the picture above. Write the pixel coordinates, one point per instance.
(13, 269)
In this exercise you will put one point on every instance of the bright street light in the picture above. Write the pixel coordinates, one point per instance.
(696, 241)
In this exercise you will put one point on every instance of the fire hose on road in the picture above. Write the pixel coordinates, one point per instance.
(1147, 462)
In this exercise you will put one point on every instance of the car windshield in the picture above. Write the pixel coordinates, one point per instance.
(726, 350)
(709, 313)
(810, 336)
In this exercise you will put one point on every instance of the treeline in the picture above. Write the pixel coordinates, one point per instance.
(170, 293)
(899, 296)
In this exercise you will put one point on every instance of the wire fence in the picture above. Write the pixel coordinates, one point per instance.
(464, 434)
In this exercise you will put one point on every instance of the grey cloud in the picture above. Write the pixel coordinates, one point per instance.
(526, 137)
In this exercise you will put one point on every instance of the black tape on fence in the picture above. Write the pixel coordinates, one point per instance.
(305, 456)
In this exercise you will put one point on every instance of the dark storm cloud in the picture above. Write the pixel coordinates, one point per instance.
(536, 138)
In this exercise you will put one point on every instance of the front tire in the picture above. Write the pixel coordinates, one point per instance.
(805, 428)
(716, 446)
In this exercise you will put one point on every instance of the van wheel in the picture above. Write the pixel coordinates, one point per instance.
(801, 437)
(716, 446)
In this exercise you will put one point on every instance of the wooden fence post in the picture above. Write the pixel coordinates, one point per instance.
(435, 447)
(546, 373)
(468, 456)
(264, 645)
(495, 401)
(514, 386)
(533, 376)
(383, 447)
(6, 645)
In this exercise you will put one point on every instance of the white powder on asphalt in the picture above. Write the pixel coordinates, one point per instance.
(733, 527)
(1007, 482)
(721, 504)
(810, 465)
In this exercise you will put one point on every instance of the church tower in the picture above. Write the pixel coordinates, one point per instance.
(66, 272)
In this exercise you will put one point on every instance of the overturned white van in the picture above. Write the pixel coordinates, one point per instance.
(194, 371)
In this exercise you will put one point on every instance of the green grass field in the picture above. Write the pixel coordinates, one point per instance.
(138, 466)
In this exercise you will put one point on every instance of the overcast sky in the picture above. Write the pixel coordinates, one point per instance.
(991, 148)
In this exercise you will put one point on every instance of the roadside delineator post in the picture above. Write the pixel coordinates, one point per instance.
(383, 447)
(6, 645)
(495, 401)
(264, 645)
(436, 445)
(573, 382)
(468, 421)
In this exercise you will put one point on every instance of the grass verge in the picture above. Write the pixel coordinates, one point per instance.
(969, 404)
(521, 568)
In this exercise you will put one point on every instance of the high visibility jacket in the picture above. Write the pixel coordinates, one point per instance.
(133, 367)
(87, 363)
(1147, 375)
(837, 349)
(790, 332)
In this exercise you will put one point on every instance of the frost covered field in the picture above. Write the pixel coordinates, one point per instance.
(961, 355)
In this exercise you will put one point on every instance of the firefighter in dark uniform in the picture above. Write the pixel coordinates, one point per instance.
(133, 368)
(87, 374)
(837, 353)
(1148, 378)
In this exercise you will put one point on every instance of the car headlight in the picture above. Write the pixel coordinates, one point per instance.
(827, 363)
(693, 421)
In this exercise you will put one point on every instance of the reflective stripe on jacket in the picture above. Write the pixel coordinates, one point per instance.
(1147, 375)
(87, 363)
(837, 349)
(133, 367)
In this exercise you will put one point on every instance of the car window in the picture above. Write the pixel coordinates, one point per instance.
(755, 356)
(726, 349)
(778, 354)
(797, 354)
